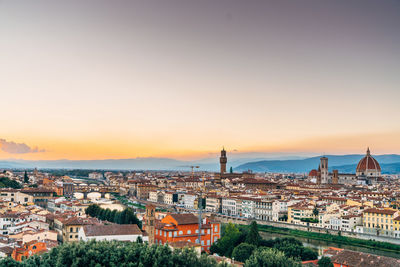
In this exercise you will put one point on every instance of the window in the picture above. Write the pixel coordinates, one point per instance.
(170, 234)
(76, 236)
(70, 236)
(189, 232)
(180, 232)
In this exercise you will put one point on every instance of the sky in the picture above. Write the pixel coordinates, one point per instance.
(180, 79)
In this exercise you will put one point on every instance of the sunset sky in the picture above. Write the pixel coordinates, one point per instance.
(180, 79)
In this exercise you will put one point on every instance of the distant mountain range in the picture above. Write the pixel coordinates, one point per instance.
(344, 163)
(123, 164)
(257, 162)
(150, 163)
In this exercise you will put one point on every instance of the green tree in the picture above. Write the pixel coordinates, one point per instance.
(26, 178)
(107, 215)
(112, 215)
(293, 248)
(230, 239)
(308, 254)
(231, 170)
(5, 182)
(325, 262)
(253, 236)
(266, 257)
(117, 217)
(315, 211)
(9, 262)
(113, 253)
(243, 251)
(93, 210)
(102, 214)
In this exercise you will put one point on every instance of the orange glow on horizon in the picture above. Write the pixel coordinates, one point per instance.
(380, 143)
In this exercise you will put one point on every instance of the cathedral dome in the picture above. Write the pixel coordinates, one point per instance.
(368, 166)
(313, 173)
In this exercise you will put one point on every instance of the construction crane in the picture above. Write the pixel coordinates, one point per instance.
(193, 167)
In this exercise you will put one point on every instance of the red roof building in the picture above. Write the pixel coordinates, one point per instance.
(185, 227)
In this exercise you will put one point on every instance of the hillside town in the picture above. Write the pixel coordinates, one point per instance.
(187, 209)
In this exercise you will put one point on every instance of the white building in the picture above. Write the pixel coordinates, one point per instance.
(350, 222)
(263, 210)
(95, 175)
(279, 209)
(169, 198)
(15, 196)
(229, 206)
(189, 201)
(213, 204)
(248, 207)
(118, 232)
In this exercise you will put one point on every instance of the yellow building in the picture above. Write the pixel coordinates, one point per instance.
(299, 211)
(380, 221)
(70, 227)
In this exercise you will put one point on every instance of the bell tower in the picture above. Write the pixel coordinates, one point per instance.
(223, 160)
(150, 219)
(324, 170)
(335, 178)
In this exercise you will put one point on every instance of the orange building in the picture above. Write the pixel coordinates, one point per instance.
(185, 227)
(29, 249)
(47, 181)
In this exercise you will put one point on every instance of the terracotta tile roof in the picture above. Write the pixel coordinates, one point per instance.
(359, 259)
(79, 221)
(183, 244)
(37, 190)
(6, 250)
(380, 211)
(112, 229)
(187, 218)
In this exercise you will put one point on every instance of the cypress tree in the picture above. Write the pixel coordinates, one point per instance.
(26, 178)
(253, 237)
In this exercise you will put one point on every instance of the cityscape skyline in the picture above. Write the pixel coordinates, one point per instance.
(102, 80)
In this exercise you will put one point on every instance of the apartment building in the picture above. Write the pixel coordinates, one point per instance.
(380, 221)
(263, 210)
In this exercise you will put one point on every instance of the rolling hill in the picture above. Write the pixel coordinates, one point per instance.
(344, 163)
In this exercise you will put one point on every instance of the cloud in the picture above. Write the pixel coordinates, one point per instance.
(18, 148)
